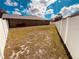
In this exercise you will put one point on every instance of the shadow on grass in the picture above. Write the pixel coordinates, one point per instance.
(66, 49)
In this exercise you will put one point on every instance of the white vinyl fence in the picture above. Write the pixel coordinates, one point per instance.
(3, 36)
(69, 31)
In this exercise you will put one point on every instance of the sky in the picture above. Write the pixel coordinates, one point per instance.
(46, 9)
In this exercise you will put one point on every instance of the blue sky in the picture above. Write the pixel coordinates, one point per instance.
(27, 7)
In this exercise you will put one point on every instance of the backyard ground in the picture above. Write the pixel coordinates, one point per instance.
(36, 42)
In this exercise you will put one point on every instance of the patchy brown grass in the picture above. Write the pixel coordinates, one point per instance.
(37, 42)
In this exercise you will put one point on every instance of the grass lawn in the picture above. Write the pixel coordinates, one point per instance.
(36, 42)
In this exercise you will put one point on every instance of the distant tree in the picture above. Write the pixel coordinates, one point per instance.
(57, 18)
(2, 12)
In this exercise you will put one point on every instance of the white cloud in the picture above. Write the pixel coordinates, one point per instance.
(10, 3)
(15, 4)
(49, 11)
(67, 11)
(38, 7)
(53, 16)
(16, 13)
(16, 9)
(51, 1)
